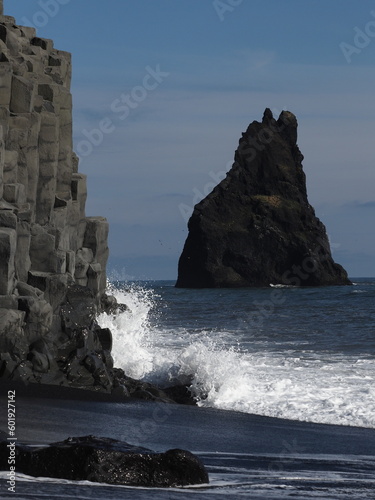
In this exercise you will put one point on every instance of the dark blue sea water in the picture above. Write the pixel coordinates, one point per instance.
(298, 353)
(284, 379)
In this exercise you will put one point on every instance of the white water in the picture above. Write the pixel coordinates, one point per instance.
(324, 389)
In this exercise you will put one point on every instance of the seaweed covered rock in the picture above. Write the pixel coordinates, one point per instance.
(257, 227)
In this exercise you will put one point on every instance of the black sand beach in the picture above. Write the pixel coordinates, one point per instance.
(250, 453)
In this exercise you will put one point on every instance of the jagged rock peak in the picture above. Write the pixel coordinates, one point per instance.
(257, 227)
(267, 116)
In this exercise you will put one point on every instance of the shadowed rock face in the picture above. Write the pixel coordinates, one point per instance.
(257, 227)
(106, 460)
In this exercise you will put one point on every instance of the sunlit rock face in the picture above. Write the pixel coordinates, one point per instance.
(50, 251)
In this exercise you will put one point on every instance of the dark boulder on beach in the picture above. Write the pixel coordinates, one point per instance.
(105, 460)
(257, 227)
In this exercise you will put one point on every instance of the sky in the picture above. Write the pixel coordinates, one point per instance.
(163, 89)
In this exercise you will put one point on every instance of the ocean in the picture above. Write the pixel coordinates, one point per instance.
(283, 378)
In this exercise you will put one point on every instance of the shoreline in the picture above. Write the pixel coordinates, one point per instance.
(241, 452)
(56, 392)
(45, 392)
(36, 394)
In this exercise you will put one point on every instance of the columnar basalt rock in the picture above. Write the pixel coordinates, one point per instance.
(257, 227)
(49, 250)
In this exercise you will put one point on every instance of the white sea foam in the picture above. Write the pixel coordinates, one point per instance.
(132, 349)
(324, 389)
(280, 285)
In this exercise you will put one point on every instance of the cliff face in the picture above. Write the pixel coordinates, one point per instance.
(257, 227)
(52, 257)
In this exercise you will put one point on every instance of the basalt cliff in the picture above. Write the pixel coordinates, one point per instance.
(52, 256)
(257, 228)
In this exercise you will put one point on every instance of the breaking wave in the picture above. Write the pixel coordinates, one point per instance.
(315, 387)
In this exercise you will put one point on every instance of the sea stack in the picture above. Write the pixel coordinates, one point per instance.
(257, 228)
(52, 257)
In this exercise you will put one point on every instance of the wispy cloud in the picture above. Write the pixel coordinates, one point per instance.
(360, 205)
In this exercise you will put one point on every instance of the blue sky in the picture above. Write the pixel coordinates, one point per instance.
(162, 90)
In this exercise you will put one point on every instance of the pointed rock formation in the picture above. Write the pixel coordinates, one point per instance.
(257, 227)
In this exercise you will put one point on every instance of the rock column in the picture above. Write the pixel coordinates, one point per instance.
(257, 228)
(48, 247)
